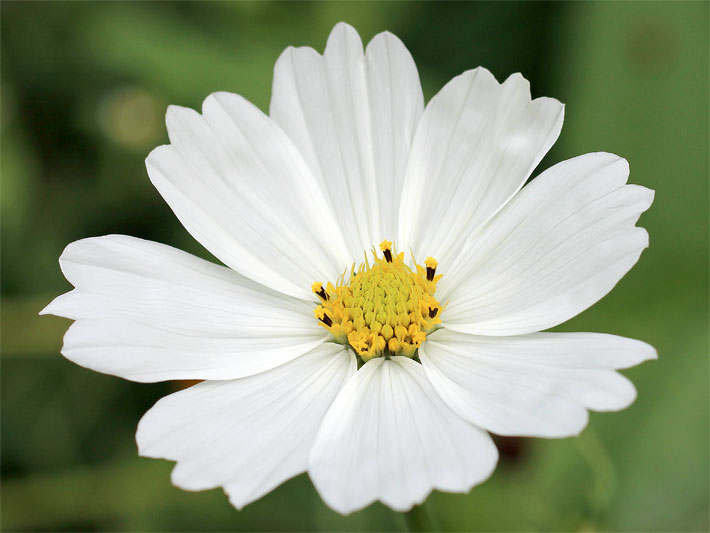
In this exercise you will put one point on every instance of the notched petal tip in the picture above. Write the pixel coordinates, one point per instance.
(221, 101)
(342, 28)
(640, 238)
(342, 37)
(57, 307)
(478, 71)
(651, 353)
(385, 39)
(50, 308)
(522, 83)
(74, 250)
(622, 397)
(151, 161)
(290, 51)
(639, 352)
(237, 504)
(517, 79)
(549, 104)
(647, 195)
(583, 422)
(144, 440)
(622, 163)
(174, 110)
(185, 478)
(178, 119)
(519, 83)
(78, 252)
(386, 35)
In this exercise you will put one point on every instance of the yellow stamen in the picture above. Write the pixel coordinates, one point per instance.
(386, 247)
(383, 308)
(320, 291)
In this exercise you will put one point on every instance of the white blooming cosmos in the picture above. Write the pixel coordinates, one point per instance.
(387, 276)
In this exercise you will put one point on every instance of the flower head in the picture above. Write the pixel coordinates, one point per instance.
(387, 276)
(384, 309)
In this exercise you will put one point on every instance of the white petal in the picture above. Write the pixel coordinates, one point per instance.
(560, 245)
(247, 435)
(240, 187)
(475, 145)
(149, 312)
(352, 115)
(532, 385)
(389, 437)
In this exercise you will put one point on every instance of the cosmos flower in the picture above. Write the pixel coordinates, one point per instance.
(387, 278)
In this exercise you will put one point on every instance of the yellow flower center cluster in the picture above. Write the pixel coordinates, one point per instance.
(384, 308)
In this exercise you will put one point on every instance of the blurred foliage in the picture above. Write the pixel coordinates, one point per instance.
(84, 88)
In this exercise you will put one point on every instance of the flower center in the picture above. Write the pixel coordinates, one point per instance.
(384, 308)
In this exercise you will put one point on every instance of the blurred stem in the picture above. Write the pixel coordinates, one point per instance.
(593, 451)
(418, 519)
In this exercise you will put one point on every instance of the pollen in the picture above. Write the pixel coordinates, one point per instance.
(382, 308)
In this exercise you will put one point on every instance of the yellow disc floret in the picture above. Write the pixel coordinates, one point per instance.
(384, 308)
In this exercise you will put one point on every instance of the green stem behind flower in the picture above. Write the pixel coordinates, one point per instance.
(418, 519)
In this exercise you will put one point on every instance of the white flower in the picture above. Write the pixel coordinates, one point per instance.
(389, 391)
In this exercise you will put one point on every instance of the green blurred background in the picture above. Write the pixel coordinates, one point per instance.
(84, 90)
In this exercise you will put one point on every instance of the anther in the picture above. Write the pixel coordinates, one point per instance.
(323, 316)
(386, 247)
(433, 311)
(320, 291)
(430, 268)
